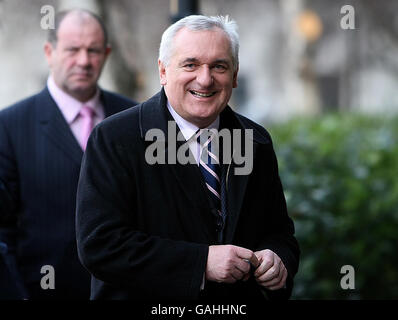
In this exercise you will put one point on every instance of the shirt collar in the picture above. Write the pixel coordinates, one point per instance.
(187, 128)
(69, 106)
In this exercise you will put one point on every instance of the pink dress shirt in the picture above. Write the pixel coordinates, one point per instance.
(70, 108)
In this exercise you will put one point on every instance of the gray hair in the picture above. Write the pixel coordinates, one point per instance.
(196, 23)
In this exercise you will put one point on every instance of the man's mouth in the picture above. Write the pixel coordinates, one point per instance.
(82, 75)
(202, 94)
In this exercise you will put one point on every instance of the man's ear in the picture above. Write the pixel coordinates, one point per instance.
(108, 50)
(162, 73)
(235, 78)
(48, 52)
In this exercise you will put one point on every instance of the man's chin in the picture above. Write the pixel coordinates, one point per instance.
(207, 112)
(203, 121)
(82, 91)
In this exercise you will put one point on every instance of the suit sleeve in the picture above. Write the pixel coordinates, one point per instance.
(8, 177)
(111, 246)
(9, 204)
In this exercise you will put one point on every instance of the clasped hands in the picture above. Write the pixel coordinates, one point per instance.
(229, 263)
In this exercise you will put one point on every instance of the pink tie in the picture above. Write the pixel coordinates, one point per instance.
(87, 116)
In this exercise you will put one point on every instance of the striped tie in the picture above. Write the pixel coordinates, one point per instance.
(210, 166)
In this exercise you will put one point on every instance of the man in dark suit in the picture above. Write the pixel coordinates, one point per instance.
(42, 140)
(153, 226)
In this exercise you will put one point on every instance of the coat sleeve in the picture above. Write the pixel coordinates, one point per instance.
(283, 243)
(282, 240)
(111, 246)
(9, 205)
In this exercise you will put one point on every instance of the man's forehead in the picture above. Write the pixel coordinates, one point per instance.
(186, 31)
(75, 22)
(79, 32)
(77, 17)
(191, 44)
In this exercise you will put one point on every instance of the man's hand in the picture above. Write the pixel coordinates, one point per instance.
(271, 273)
(228, 263)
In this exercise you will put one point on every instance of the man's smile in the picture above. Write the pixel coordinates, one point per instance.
(202, 94)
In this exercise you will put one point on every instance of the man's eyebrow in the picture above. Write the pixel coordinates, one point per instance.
(189, 60)
(195, 60)
(224, 61)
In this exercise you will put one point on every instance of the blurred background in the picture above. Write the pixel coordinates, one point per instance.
(321, 76)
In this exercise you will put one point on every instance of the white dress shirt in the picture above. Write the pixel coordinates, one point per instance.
(188, 130)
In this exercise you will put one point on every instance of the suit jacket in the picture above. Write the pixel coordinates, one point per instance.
(143, 230)
(11, 285)
(39, 168)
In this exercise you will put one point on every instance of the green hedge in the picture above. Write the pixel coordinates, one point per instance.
(340, 176)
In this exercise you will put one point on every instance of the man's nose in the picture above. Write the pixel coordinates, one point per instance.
(83, 58)
(204, 76)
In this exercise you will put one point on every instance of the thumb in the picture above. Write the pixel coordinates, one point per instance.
(253, 260)
(259, 256)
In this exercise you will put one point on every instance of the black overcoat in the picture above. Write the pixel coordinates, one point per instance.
(143, 230)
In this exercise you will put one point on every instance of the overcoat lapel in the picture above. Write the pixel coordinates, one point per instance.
(236, 190)
(154, 115)
(236, 184)
(188, 177)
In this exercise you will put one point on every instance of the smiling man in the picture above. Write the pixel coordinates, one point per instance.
(199, 78)
(42, 140)
(185, 231)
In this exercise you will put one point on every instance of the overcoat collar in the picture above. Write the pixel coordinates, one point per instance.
(154, 114)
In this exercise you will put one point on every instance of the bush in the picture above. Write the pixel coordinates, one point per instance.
(339, 173)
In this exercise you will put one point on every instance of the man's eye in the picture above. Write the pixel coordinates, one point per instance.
(72, 49)
(189, 66)
(94, 51)
(220, 67)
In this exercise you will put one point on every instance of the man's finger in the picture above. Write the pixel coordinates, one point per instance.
(267, 280)
(243, 265)
(247, 255)
(276, 283)
(252, 261)
(244, 253)
(237, 274)
(265, 265)
(270, 274)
